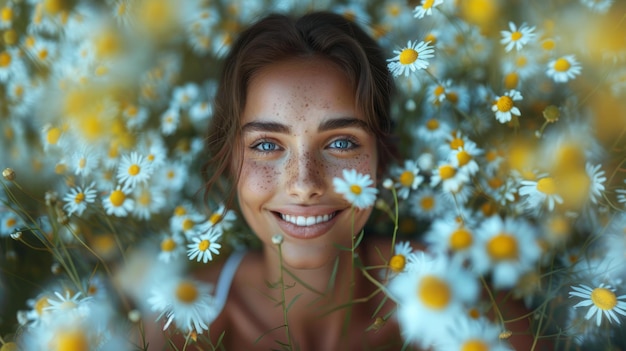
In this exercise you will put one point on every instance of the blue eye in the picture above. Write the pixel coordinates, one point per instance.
(341, 144)
(265, 146)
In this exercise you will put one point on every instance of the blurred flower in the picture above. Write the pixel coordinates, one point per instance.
(426, 8)
(563, 68)
(118, 202)
(185, 302)
(407, 178)
(472, 334)
(540, 192)
(133, 169)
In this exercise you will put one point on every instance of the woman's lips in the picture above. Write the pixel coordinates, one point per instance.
(306, 227)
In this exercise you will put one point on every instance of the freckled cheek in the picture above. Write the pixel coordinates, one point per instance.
(256, 181)
(363, 163)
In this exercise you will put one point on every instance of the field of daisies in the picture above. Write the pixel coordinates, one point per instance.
(511, 126)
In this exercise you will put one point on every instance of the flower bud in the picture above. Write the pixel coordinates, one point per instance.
(9, 174)
(551, 114)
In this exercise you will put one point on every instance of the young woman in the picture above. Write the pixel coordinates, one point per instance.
(299, 101)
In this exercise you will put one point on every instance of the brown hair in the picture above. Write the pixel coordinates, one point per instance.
(279, 37)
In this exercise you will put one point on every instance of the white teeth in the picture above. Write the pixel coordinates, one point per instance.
(306, 221)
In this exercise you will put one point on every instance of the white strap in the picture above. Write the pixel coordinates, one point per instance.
(226, 278)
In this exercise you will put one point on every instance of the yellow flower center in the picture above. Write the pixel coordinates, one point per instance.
(215, 218)
(547, 185)
(495, 182)
(117, 198)
(204, 245)
(5, 59)
(41, 304)
(502, 247)
(134, 169)
(515, 36)
(446, 172)
(144, 198)
(548, 44)
(505, 103)
(521, 61)
(463, 157)
(604, 298)
(80, 197)
(456, 143)
(186, 292)
(82, 162)
(475, 345)
(460, 239)
(168, 245)
(511, 80)
(180, 211)
(171, 174)
(432, 124)
(42, 54)
(407, 178)
(355, 189)
(434, 292)
(427, 203)
(71, 341)
(439, 90)
(561, 65)
(10, 222)
(53, 135)
(428, 4)
(408, 56)
(452, 97)
(188, 224)
(397, 263)
(10, 37)
(7, 14)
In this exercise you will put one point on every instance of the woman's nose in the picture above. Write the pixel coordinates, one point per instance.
(305, 175)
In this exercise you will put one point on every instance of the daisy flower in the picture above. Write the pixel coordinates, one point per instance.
(426, 8)
(505, 247)
(7, 14)
(221, 219)
(504, 106)
(173, 175)
(68, 302)
(77, 198)
(597, 179)
(10, 64)
(185, 302)
(133, 169)
(539, 192)
(602, 301)
(563, 68)
(410, 59)
(184, 96)
(433, 130)
(430, 297)
(402, 257)
(449, 177)
(356, 188)
(84, 161)
(203, 246)
(185, 219)
(517, 37)
(427, 204)
(170, 120)
(407, 178)
(118, 202)
(9, 223)
(149, 200)
(448, 235)
(172, 247)
(135, 116)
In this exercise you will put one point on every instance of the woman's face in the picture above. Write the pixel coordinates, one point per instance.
(300, 128)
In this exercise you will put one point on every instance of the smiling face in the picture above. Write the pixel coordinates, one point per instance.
(300, 129)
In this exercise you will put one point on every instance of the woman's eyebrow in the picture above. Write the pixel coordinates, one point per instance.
(343, 122)
(260, 126)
